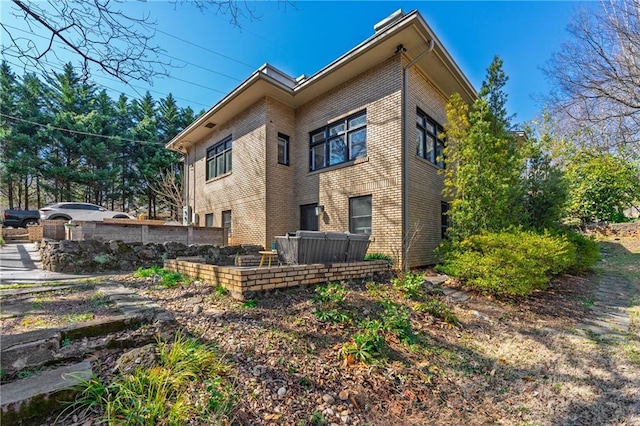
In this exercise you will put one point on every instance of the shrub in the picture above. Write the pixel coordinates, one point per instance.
(379, 256)
(587, 251)
(513, 262)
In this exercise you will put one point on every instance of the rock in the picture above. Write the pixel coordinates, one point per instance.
(343, 395)
(328, 412)
(197, 309)
(345, 419)
(259, 370)
(145, 356)
(328, 398)
(282, 391)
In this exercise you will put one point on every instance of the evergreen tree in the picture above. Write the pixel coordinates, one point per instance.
(484, 161)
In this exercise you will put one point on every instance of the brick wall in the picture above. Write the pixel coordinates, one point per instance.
(243, 191)
(425, 181)
(243, 282)
(281, 206)
(130, 231)
(377, 90)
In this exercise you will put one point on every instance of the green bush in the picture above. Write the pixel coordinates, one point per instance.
(587, 251)
(379, 256)
(513, 262)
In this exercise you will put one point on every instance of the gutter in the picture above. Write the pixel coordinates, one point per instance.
(405, 155)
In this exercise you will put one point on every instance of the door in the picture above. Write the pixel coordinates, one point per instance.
(308, 218)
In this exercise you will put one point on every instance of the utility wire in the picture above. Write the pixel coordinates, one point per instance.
(49, 126)
(207, 49)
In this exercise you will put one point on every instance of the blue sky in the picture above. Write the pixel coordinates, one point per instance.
(303, 37)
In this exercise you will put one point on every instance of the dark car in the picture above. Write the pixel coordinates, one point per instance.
(20, 218)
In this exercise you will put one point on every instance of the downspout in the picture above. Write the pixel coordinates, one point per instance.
(405, 154)
(185, 174)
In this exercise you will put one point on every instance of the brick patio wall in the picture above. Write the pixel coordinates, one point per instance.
(244, 282)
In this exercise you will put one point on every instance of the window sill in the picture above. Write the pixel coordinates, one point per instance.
(339, 166)
(218, 177)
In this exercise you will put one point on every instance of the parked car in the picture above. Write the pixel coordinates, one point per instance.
(79, 211)
(20, 218)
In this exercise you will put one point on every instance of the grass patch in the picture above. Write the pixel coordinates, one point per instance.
(71, 318)
(162, 276)
(158, 395)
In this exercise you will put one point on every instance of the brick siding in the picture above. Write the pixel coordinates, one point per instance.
(243, 282)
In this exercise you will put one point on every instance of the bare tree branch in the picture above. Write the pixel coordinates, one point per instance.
(100, 34)
(596, 77)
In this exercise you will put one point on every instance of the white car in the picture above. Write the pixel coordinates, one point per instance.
(79, 211)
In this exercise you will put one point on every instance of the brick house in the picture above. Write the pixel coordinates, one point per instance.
(353, 148)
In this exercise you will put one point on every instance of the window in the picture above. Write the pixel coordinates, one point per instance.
(208, 219)
(226, 224)
(339, 142)
(283, 149)
(444, 219)
(219, 158)
(360, 215)
(429, 140)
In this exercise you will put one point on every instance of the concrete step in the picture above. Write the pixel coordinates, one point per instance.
(38, 396)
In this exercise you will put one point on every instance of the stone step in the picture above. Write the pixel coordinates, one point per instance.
(26, 400)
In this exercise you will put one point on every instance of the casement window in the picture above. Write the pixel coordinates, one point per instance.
(283, 149)
(208, 220)
(339, 142)
(219, 158)
(444, 219)
(360, 215)
(429, 140)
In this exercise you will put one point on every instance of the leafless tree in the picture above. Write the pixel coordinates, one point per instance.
(169, 190)
(596, 77)
(99, 33)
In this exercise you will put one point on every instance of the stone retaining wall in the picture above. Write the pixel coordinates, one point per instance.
(96, 256)
(243, 282)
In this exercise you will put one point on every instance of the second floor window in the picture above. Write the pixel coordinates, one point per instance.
(283, 149)
(429, 140)
(339, 142)
(219, 158)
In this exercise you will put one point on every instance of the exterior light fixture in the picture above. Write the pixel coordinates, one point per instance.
(319, 210)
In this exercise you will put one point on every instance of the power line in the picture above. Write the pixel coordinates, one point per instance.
(49, 126)
(207, 49)
(161, 54)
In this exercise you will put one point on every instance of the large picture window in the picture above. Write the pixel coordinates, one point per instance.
(219, 158)
(360, 215)
(429, 140)
(339, 142)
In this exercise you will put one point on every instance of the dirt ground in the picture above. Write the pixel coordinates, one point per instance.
(22, 313)
(508, 362)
